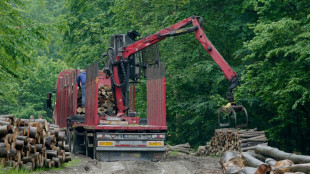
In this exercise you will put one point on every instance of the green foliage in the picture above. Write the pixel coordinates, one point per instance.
(276, 78)
(84, 32)
(27, 68)
(19, 35)
(29, 91)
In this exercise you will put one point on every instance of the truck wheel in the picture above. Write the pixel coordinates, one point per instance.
(89, 146)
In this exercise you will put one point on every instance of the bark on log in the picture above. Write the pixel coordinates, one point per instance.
(231, 162)
(32, 141)
(62, 155)
(61, 136)
(12, 153)
(48, 163)
(258, 156)
(24, 122)
(30, 165)
(39, 147)
(3, 130)
(247, 170)
(251, 161)
(33, 149)
(33, 132)
(4, 152)
(3, 123)
(56, 162)
(43, 122)
(51, 154)
(300, 168)
(67, 149)
(253, 147)
(61, 144)
(23, 138)
(27, 159)
(68, 158)
(270, 161)
(5, 144)
(67, 154)
(280, 155)
(19, 144)
(11, 116)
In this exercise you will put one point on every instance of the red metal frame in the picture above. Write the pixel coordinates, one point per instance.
(66, 104)
(162, 34)
(66, 97)
(156, 102)
(91, 102)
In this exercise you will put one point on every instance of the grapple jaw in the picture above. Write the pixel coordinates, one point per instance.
(231, 111)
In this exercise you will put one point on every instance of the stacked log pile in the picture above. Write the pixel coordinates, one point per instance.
(180, 149)
(106, 104)
(232, 139)
(264, 160)
(31, 144)
(80, 110)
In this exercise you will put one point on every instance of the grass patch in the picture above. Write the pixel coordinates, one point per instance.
(74, 162)
(173, 153)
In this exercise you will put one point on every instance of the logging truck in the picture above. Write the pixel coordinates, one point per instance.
(110, 128)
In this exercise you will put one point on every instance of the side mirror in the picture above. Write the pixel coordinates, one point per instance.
(49, 100)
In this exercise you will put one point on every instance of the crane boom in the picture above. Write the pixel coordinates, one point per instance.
(177, 29)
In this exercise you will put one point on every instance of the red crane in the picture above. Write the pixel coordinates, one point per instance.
(124, 53)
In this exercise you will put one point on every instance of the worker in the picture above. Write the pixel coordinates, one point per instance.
(81, 81)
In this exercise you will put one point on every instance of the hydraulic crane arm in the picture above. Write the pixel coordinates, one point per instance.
(174, 30)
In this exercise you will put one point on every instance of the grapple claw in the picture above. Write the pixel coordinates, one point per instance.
(230, 111)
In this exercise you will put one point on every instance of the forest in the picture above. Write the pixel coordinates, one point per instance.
(267, 42)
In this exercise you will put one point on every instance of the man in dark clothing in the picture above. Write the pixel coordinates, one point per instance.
(81, 81)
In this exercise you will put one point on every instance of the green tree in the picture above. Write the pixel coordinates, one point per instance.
(276, 78)
(27, 68)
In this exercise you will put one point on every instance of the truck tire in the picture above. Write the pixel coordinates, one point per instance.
(89, 146)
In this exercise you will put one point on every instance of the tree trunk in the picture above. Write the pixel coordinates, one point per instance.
(251, 161)
(39, 147)
(280, 155)
(66, 147)
(56, 162)
(61, 136)
(270, 161)
(4, 152)
(33, 132)
(23, 138)
(231, 162)
(51, 154)
(3, 130)
(19, 144)
(48, 163)
(258, 156)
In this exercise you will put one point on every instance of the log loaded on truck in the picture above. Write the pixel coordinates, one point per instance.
(121, 134)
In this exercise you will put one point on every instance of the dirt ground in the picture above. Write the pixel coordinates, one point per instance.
(176, 164)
